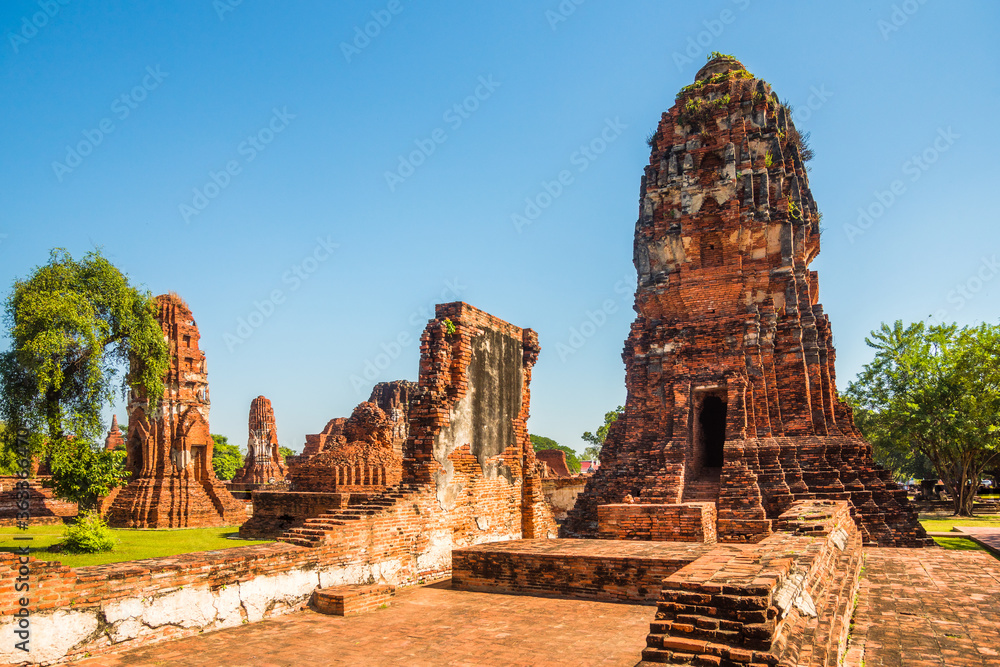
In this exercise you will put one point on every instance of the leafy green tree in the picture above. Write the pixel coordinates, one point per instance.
(83, 472)
(285, 452)
(75, 326)
(936, 391)
(904, 462)
(226, 458)
(540, 442)
(596, 440)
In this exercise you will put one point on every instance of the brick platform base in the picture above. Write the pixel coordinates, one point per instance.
(611, 570)
(684, 522)
(783, 601)
(351, 600)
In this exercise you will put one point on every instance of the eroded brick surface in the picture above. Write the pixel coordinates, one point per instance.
(263, 463)
(428, 626)
(730, 361)
(934, 608)
(169, 446)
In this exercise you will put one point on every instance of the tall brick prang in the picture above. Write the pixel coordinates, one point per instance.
(115, 438)
(732, 395)
(169, 447)
(263, 463)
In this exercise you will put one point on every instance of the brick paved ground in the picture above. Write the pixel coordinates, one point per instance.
(428, 625)
(927, 607)
(987, 537)
(916, 607)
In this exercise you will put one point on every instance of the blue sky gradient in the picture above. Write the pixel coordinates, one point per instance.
(276, 129)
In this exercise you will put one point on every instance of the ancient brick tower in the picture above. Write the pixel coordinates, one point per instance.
(172, 484)
(263, 463)
(730, 363)
(114, 438)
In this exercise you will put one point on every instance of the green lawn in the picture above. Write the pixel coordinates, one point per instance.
(942, 523)
(133, 544)
(958, 544)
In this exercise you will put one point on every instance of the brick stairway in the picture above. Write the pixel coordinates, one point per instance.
(704, 488)
(312, 533)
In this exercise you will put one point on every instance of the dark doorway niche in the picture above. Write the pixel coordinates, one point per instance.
(712, 420)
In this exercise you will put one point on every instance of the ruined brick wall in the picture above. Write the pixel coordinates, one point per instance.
(357, 456)
(468, 425)
(169, 446)
(730, 361)
(685, 522)
(393, 398)
(275, 512)
(561, 493)
(468, 474)
(45, 508)
(263, 463)
(555, 459)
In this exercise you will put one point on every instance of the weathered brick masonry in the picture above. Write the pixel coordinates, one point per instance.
(683, 522)
(730, 361)
(169, 447)
(44, 507)
(469, 476)
(263, 463)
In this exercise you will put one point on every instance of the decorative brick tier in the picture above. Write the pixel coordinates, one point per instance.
(618, 571)
(687, 522)
(784, 601)
(351, 600)
(730, 362)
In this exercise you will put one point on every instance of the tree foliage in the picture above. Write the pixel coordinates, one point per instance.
(75, 326)
(596, 440)
(285, 452)
(540, 442)
(226, 458)
(89, 534)
(936, 391)
(82, 472)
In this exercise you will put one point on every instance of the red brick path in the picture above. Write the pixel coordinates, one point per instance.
(428, 625)
(930, 607)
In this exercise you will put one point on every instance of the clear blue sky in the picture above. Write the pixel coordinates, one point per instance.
(183, 87)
